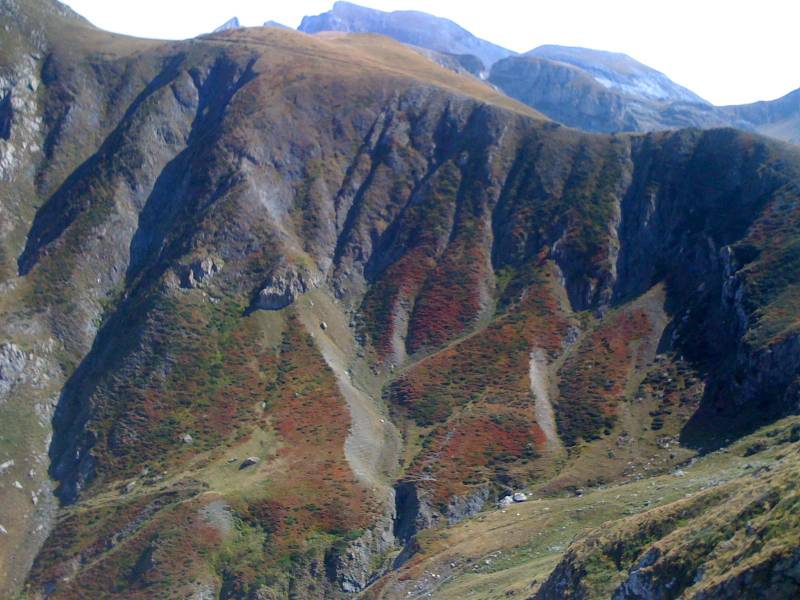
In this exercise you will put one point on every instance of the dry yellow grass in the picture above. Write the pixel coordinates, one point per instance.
(365, 55)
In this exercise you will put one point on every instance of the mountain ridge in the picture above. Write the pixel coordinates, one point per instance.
(592, 90)
(611, 92)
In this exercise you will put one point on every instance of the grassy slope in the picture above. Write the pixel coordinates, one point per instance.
(369, 54)
(510, 552)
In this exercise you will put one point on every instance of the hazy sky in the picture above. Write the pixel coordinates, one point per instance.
(727, 51)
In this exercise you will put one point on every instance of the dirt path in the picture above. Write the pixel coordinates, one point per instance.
(544, 409)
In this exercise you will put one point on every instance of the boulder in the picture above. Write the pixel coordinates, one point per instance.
(249, 462)
(519, 497)
(506, 501)
(200, 272)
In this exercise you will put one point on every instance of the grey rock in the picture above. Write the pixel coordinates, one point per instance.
(249, 462)
(363, 560)
(12, 367)
(218, 515)
(204, 592)
(283, 288)
(640, 582)
(200, 272)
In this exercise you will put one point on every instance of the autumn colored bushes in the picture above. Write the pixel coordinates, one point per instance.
(594, 377)
(473, 400)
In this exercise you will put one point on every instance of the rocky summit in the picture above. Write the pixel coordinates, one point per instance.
(318, 316)
(410, 27)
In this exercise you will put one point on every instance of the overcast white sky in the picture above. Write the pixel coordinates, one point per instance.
(729, 52)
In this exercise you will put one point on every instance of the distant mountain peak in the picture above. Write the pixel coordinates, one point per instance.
(275, 24)
(229, 24)
(619, 72)
(409, 27)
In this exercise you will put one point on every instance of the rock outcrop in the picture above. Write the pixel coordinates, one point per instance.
(283, 287)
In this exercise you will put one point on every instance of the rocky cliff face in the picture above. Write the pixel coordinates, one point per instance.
(607, 92)
(285, 292)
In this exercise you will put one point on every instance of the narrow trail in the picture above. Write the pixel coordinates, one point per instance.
(544, 409)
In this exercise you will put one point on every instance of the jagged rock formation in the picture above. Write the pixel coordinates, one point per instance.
(333, 258)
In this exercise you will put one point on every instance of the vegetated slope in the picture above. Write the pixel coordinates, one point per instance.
(603, 91)
(264, 229)
(410, 27)
(736, 539)
(712, 516)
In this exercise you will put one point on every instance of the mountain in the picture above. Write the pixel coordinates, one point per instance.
(777, 118)
(410, 27)
(285, 316)
(229, 24)
(602, 91)
(275, 24)
(593, 90)
(574, 97)
(619, 72)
